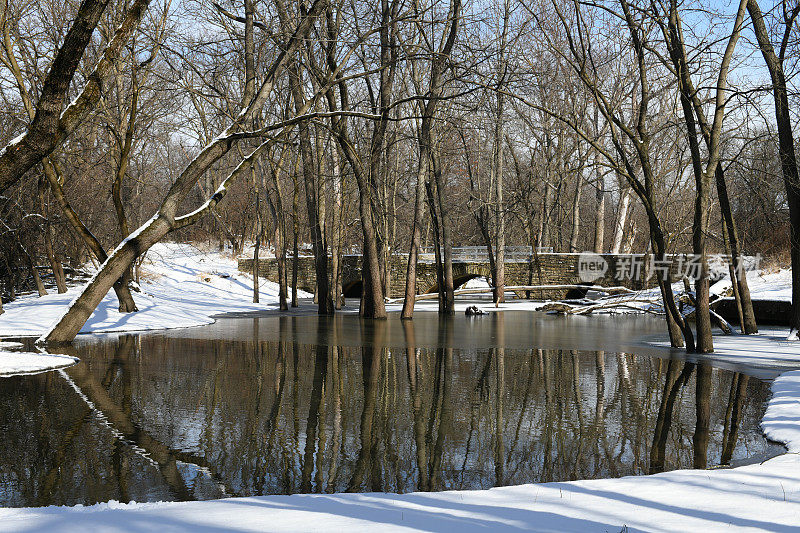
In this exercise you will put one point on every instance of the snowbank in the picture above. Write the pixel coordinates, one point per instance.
(12, 363)
(781, 422)
(771, 286)
(181, 286)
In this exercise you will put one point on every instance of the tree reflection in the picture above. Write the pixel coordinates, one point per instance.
(164, 417)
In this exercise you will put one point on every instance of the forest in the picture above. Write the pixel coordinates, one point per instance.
(327, 128)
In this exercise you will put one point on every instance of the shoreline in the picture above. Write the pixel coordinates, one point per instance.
(756, 496)
(678, 499)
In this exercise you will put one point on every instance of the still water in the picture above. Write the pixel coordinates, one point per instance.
(279, 405)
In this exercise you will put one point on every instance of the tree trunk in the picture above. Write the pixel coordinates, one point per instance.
(126, 305)
(427, 162)
(622, 214)
(275, 201)
(318, 244)
(437, 242)
(600, 219)
(416, 237)
(295, 231)
(29, 261)
(732, 273)
(498, 171)
(786, 151)
(257, 244)
(543, 239)
(336, 223)
(55, 265)
(738, 272)
(576, 214)
(447, 303)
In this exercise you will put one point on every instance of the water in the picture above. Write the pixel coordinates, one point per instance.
(305, 404)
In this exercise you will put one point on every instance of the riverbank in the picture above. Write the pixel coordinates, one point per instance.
(181, 286)
(196, 287)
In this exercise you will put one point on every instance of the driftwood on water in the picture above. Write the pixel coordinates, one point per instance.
(613, 298)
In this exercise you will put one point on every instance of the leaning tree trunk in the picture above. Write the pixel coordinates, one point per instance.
(786, 151)
(52, 123)
(739, 278)
(165, 219)
(68, 326)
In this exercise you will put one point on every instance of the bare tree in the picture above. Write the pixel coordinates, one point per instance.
(52, 122)
(786, 148)
(166, 219)
(428, 159)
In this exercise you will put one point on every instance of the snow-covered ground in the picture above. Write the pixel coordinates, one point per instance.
(181, 286)
(770, 286)
(15, 361)
(186, 287)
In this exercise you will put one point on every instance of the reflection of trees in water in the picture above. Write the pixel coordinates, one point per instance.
(263, 416)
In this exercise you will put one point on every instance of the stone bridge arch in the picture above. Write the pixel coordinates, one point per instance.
(462, 273)
(542, 269)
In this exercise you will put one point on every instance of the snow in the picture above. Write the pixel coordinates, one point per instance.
(15, 141)
(181, 286)
(775, 285)
(5, 345)
(13, 363)
(781, 421)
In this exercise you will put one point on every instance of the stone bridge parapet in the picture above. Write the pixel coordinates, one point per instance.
(541, 269)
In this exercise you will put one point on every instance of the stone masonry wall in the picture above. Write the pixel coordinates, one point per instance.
(544, 269)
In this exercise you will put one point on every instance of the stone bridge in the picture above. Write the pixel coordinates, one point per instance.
(540, 269)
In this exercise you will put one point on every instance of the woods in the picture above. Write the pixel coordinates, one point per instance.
(289, 127)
